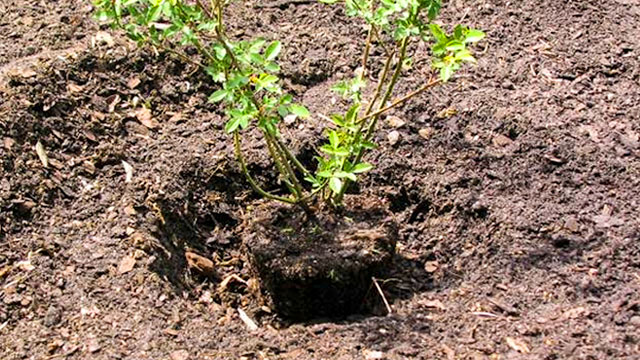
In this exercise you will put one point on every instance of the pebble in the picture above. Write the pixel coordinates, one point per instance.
(393, 137)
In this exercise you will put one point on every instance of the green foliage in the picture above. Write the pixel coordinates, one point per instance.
(249, 83)
(403, 21)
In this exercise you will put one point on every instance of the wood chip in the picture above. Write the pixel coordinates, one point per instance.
(126, 264)
(103, 38)
(571, 224)
(426, 133)
(133, 82)
(128, 171)
(518, 345)
(553, 159)
(144, 116)
(42, 154)
(251, 325)
(24, 73)
(200, 263)
(373, 355)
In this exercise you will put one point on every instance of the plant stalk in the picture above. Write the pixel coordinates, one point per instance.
(250, 179)
(374, 120)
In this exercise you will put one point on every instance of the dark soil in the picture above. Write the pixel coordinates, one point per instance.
(320, 263)
(518, 226)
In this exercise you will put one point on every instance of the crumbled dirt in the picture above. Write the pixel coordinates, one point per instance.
(515, 188)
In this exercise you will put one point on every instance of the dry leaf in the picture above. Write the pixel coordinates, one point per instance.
(74, 88)
(126, 264)
(128, 171)
(200, 263)
(518, 345)
(144, 116)
(445, 113)
(42, 154)
(431, 266)
(5, 270)
(179, 355)
(426, 132)
(133, 82)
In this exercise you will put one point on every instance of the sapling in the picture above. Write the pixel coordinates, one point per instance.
(251, 91)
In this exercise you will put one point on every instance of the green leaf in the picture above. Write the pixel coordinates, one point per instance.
(232, 125)
(334, 139)
(218, 95)
(272, 67)
(361, 168)
(344, 174)
(438, 33)
(299, 110)
(455, 45)
(335, 185)
(446, 72)
(474, 36)
(465, 55)
(273, 50)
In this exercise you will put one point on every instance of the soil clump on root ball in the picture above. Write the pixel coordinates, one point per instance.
(319, 263)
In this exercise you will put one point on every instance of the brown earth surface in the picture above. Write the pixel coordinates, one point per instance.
(516, 189)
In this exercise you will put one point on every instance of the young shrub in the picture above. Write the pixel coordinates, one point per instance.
(247, 72)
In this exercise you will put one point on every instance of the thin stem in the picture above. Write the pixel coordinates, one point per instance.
(178, 54)
(387, 95)
(292, 175)
(291, 157)
(402, 100)
(252, 182)
(372, 125)
(383, 76)
(278, 161)
(219, 29)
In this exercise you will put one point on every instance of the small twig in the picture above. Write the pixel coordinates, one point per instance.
(384, 298)
(484, 314)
